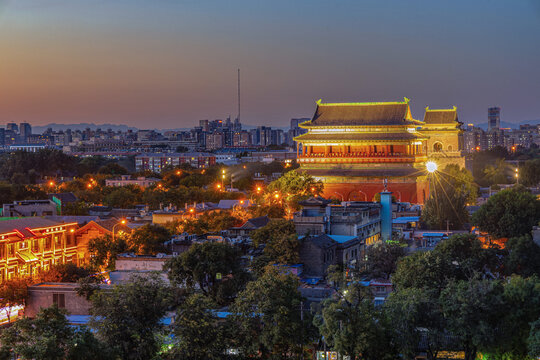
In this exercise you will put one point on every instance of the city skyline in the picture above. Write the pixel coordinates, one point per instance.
(170, 66)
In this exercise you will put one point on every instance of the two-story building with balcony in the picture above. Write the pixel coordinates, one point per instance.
(30, 244)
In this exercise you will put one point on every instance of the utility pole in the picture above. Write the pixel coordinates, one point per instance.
(447, 226)
(238, 95)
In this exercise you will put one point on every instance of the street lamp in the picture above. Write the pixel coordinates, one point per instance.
(431, 166)
(121, 222)
(517, 175)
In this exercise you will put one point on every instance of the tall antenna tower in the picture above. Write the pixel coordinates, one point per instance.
(238, 95)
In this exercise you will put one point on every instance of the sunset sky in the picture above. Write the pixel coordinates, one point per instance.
(169, 63)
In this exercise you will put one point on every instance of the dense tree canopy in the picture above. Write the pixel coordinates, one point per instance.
(213, 267)
(509, 213)
(269, 317)
(451, 190)
(50, 336)
(128, 317)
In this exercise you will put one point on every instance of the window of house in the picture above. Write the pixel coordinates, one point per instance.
(35, 245)
(60, 300)
(11, 250)
(48, 243)
(2, 251)
(23, 245)
(57, 241)
(437, 147)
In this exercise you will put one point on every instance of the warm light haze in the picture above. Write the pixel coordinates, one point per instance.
(167, 64)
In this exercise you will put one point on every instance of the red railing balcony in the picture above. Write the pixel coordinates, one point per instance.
(354, 158)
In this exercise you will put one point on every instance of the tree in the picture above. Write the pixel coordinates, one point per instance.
(353, 327)
(123, 197)
(269, 317)
(521, 299)
(113, 168)
(472, 309)
(64, 273)
(104, 250)
(460, 257)
(416, 318)
(50, 336)
(291, 188)
(149, 239)
(199, 335)
(214, 267)
(509, 213)
(274, 229)
(13, 292)
(381, 259)
(529, 173)
(128, 317)
(534, 340)
(523, 257)
(452, 189)
(181, 149)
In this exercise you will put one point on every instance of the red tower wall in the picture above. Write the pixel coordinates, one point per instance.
(414, 192)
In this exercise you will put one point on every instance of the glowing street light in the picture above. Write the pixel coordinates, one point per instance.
(121, 222)
(276, 195)
(51, 183)
(259, 189)
(431, 166)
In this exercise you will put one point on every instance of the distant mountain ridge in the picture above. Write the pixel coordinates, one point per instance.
(510, 125)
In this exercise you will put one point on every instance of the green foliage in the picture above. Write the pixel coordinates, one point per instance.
(104, 250)
(49, 336)
(269, 321)
(509, 213)
(127, 317)
(64, 273)
(523, 257)
(46, 162)
(214, 267)
(13, 292)
(381, 260)
(460, 257)
(75, 208)
(415, 315)
(113, 169)
(199, 335)
(472, 309)
(209, 223)
(292, 188)
(529, 173)
(353, 326)
(281, 244)
(489, 167)
(124, 197)
(274, 229)
(149, 239)
(451, 190)
(534, 340)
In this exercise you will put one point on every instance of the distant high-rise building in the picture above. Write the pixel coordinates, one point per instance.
(298, 121)
(12, 127)
(203, 124)
(25, 130)
(494, 118)
(2, 136)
